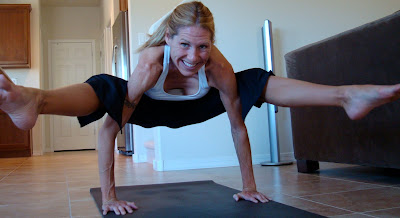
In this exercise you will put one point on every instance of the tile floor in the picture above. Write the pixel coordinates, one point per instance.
(57, 185)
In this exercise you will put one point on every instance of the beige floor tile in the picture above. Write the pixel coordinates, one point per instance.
(27, 198)
(361, 200)
(84, 208)
(82, 177)
(282, 178)
(6, 171)
(352, 215)
(322, 166)
(7, 211)
(79, 194)
(14, 161)
(84, 183)
(231, 183)
(47, 209)
(38, 171)
(93, 216)
(321, 186)
(37, 188)
(127, 181)
(10, 165)
(31, 178)
(371, 175)
(42, 169)
(392, 212)
(313, 207)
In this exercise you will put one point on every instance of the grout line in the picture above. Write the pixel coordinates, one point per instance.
(13, 170)
(69, 197)
(357, 213)
(367, 215)
(389, 208)
(320, 203)
(348, 180)
(338, 192)
(325, 204)
(363, 213)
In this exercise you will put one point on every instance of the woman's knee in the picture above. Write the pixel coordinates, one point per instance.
(110, 126)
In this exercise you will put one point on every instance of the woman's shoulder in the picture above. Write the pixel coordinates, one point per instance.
(151, 55)
(218, 68)
(155, 50)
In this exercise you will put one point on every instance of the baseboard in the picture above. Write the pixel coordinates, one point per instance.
(36, 153)
(200, 163)
(139, 158)
(289, 156)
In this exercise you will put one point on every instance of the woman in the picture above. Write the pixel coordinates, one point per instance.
(181, 78)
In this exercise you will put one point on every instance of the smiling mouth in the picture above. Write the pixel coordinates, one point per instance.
(188, 64)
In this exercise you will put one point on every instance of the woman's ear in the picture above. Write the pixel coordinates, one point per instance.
(167, 37)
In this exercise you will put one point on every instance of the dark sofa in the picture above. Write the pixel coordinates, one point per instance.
(369, 54)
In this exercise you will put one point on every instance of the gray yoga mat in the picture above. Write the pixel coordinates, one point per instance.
(195, 199)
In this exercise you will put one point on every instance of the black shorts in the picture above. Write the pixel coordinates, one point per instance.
(112, 91)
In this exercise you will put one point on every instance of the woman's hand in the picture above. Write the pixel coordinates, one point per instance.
(253, 196)
(119, 207)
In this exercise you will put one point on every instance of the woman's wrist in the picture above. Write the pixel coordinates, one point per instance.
(250, 186)
(107, 201)
(109, 195)
(248, 189)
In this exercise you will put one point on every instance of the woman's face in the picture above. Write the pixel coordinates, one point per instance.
(190, 49)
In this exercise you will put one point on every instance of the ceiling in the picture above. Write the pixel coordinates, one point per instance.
(71, 3)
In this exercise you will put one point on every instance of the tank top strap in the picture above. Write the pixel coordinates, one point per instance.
(160, 82)
(203, 77)
(167, 50)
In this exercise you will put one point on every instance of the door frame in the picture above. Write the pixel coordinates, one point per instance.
(92, 41)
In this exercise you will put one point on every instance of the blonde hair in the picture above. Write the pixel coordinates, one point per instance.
(189, 14)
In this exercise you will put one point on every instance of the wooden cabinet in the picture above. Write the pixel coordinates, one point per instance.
(123, 5)
(15, 46)
(13, 141)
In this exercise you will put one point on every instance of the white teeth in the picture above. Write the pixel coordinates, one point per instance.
(188, 64)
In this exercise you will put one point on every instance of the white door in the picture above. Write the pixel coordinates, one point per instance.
(70, 63)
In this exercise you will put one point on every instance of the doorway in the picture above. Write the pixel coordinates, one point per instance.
(71, 62)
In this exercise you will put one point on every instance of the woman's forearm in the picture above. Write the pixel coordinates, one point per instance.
(243, 151)
(107, 136)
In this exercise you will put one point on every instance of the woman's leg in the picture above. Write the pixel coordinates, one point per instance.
(23, 104)
(357, 100)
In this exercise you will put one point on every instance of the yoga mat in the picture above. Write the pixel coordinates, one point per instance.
(194, 199)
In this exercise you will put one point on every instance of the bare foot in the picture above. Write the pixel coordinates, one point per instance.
(361, 99)
(20, 103)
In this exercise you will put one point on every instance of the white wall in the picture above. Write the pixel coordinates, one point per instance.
(110, 10)
(72, 22)
(238, 36)
(31, 77)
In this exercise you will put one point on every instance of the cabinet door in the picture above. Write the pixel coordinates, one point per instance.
(15, 48)
(13, 141)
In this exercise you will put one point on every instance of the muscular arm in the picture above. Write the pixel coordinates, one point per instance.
(143, 77)
(232, 104)
(223, 78)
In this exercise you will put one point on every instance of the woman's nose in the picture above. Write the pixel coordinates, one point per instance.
(193, 55)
